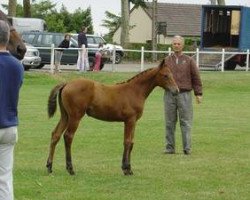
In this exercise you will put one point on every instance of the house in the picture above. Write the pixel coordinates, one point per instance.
(177, 19)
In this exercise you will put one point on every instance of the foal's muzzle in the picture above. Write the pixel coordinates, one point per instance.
(21, 50)
(174, 91)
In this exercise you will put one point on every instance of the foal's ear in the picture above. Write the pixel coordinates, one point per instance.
(162, 64)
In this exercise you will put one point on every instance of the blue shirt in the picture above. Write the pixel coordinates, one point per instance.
(11, 78)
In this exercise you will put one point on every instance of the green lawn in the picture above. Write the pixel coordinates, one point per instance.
(219, 167)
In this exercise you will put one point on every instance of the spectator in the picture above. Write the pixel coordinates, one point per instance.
(98, 58)
(59, 52)
(11, 77)
(82, 61)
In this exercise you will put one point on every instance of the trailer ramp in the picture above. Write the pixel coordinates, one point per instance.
(209, 60)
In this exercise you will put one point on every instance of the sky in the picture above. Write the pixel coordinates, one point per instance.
(98, 8)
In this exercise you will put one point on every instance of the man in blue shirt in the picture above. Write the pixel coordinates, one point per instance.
(11, 77)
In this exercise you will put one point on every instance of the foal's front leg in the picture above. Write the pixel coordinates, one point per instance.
(129, 128)
(126, 166)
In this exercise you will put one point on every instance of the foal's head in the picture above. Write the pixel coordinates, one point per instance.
(15, 46)
(165, 78)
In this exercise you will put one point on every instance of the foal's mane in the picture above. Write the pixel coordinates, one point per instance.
(142, 73)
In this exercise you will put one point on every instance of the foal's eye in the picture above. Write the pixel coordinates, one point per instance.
(166, 76)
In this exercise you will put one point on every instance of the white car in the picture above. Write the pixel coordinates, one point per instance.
(31, 58)
(119, 53)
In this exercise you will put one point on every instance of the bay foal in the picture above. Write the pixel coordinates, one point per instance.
(122, 102)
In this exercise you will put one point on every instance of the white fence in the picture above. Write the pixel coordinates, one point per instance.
(197, 54)
(142, 52)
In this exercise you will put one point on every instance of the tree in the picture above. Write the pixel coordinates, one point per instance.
(221, 2)
(55, 24)
(42, 9)
(64, 21)
(125, 8)
(26, 8)
(38, 10)
(12, 8)
(112, 23)
(81, 18)
(154, 28)
(61, 21)
(125, 23)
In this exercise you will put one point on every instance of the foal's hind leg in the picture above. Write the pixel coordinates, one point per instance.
(55, 137)
(68, 138)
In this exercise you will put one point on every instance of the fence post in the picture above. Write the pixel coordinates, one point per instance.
(247, 60)
(142, 58)
(113, 58)
(52, 58)
(197, 57)
(222, 60)
(169, 51)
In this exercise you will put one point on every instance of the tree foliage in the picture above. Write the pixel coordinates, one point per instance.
(112, 23)
(63, 21)
(58, 21)
(42, 9)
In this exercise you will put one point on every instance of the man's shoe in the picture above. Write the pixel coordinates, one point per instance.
(186, 152)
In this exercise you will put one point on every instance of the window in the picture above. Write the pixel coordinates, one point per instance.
(99, 40)
(47, 40)
(29, 38)
(58, 39)
(90, 40)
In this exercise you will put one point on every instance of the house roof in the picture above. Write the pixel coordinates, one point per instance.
(181, 19)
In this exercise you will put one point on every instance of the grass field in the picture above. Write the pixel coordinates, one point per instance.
(219, 167)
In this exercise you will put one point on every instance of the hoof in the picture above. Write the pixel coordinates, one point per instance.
(127, 172)
(70, 170)
(72, 173)
(49, 167)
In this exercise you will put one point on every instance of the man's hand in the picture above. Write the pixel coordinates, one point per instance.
(198, 99)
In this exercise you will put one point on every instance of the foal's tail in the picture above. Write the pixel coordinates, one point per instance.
(53, 99)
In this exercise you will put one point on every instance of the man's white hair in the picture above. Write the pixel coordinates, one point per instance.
(180, 38)
(4, 33)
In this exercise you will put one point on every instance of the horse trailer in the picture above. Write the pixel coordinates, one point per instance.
(226, 27)
(27, 24)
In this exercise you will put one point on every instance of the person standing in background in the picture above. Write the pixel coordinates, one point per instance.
(59, 52)
(187, 77)
(98, 58)
(83, 61)
(11, 78)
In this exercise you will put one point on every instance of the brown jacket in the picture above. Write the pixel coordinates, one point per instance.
(185, 72)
